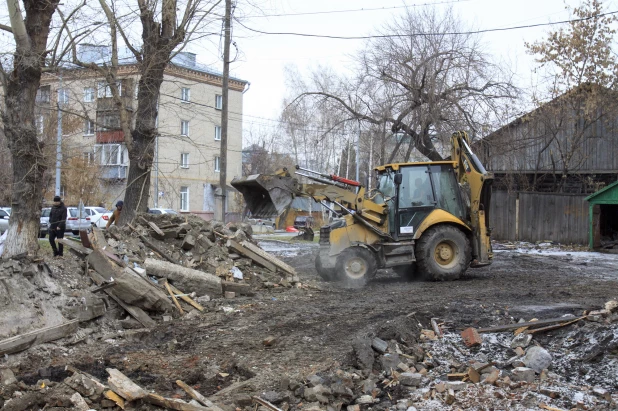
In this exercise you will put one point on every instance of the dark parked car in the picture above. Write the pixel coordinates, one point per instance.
(303, 221)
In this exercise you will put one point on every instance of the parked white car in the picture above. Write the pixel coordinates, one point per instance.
(4, 219)
(95, 216)
(74, 223)
(162, 211)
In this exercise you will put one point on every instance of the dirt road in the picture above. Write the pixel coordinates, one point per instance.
(315, 326)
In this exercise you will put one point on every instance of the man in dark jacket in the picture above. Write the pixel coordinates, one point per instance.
(57, 225)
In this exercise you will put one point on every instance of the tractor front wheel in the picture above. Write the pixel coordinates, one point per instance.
(356, 266)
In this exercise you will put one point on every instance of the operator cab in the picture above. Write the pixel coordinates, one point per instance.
(414, 191)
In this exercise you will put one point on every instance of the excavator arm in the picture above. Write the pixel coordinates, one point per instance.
(472, 175)
(268, 195)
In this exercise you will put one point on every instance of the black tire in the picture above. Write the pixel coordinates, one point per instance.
(443, 253)
(327, 274)
(42, 234)
(75, 232)
(356, 266)
(407, 272)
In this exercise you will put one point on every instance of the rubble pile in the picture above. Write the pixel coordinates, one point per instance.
(207, 246)
(571, 368)
(154, 270)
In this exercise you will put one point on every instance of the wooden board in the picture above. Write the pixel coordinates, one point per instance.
(280, 264)
(507, 327)
(24, 341)
(124, 386)
(187, 299)
(172, 404)
(99, 238)
(75, 246)
(197, 396)
(238, 288)
(255, 257)
(135, 312)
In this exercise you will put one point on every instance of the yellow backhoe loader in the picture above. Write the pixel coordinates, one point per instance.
(426, 217)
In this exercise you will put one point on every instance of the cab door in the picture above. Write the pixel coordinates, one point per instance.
(415, 199)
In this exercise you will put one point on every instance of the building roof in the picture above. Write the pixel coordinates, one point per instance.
(98, 54)
(607, 194)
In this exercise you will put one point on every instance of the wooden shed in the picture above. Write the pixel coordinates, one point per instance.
(604, 218)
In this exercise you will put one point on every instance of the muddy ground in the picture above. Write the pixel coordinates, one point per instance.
(316, 325)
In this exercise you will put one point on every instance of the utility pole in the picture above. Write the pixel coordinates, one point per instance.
(225, 106)
(59, 137)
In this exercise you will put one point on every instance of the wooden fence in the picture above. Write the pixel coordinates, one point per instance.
(527, 216)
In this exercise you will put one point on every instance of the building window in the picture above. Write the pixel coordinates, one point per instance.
(184, 160)
(184, 198)
(63, 96)
(217, 164)
(87, 157)
(109, 121)
(111, 154)
(185, 94)
(42, 94)
(88, 127)
(184, 128)
(104, 90)
(88, 94)
(217, 133)
(218, 102)
(39, 124)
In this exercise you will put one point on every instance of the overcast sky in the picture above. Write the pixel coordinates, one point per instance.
(262, 58)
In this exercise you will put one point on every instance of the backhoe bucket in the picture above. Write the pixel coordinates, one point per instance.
(266, 195)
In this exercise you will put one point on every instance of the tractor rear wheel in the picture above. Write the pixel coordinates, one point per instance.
(443, 253)
(356, 266)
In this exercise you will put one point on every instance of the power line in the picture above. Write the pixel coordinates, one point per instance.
(312, 13)
(380, 36)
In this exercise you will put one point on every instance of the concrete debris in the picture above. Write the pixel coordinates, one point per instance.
(523, 374)
(7, 377)
(521, 340)
(410, 379)
(537, 358)
(379, 345)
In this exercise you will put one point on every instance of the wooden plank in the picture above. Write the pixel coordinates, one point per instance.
(24, 341)
(99, 237)
(154, 227)
(507, 327)
(172, 404)
(169, 290)
(136, 312)
(280, 264)
(75, 246)
(197, 396)
(265, 403)
(83, 235)
(111, 395)
(255, 257)
(553, 327)
(153, 247)
(187, 299)
(131, 288)
(124, 386)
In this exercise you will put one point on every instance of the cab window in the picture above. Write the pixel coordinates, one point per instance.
(415, 189)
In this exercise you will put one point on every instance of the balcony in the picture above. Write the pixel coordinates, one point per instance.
(110, 136)
(113, 172)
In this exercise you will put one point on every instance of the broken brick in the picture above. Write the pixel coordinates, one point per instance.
(471, 337)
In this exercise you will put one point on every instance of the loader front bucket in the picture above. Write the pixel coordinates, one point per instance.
(266, 195)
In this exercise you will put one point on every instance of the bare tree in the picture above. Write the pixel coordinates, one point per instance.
(423, 76)
(164, 34)
(31, 34)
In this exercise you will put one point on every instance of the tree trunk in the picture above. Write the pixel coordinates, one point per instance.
(141, 150)
(29, 162)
